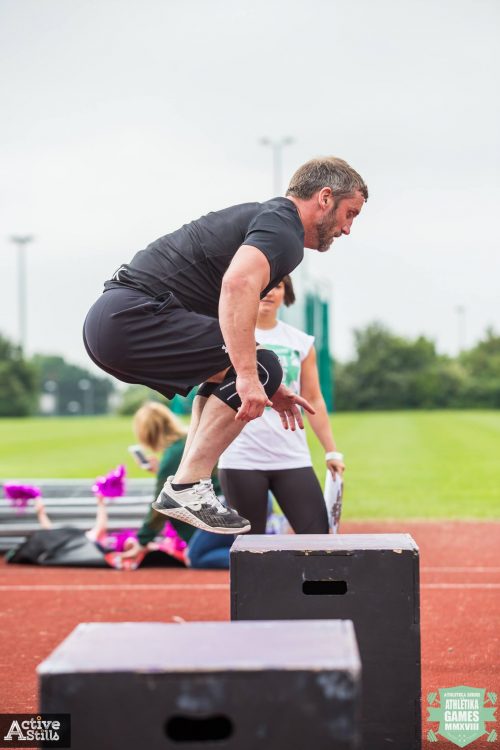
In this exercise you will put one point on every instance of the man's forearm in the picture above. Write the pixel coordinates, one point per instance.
(238, 307)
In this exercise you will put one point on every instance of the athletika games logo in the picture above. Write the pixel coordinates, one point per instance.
(463, 713)
(30, 730)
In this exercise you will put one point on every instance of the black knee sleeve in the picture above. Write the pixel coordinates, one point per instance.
(206, 389)
(269, 371)
(270, 374)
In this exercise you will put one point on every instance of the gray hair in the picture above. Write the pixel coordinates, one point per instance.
(327, 171)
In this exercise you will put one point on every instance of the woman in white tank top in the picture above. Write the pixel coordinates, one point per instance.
(265, 456)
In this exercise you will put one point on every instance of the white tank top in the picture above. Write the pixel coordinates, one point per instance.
(263, 443)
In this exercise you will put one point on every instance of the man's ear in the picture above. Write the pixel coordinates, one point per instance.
(325, 198)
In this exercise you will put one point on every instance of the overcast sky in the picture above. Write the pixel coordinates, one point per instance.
(122, 119)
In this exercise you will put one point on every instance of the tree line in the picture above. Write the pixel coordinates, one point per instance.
(387, 372)
(392, 372)
(47, 384)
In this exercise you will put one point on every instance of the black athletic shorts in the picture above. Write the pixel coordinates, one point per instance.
(153, 341)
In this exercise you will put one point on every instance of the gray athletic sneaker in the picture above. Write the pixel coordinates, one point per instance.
(199, 506)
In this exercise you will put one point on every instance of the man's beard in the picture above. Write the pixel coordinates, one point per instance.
(324, 231)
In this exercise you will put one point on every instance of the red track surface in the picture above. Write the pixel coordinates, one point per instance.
(460, 608)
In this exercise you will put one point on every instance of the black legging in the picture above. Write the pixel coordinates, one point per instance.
(297, 491)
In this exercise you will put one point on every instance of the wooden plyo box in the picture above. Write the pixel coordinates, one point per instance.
(230, 685)
(371, 579)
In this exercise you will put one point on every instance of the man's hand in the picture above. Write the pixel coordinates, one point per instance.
(253, 398)
(287, 403)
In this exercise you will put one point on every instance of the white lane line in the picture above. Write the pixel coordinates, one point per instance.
(460, 585)
(118, 587)
(471, 569)
(196, 587)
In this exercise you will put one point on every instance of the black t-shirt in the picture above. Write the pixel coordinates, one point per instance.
(192, 261)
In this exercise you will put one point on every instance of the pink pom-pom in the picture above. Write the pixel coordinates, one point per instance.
(170, 533)
(19, 495)
(112, 485)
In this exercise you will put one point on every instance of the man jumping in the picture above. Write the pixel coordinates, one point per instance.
(183, 312)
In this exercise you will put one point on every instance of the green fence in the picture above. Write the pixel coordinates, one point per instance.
(317, 324)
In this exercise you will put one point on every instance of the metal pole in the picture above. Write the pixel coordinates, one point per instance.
(85, 385)
(277, 151)
(21, 242)
(277, 148)
(461, 328)
(52, 388)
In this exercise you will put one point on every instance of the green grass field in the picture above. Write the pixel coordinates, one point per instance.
(400, 464)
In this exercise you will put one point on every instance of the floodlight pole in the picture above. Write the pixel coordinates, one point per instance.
(21, 241)
(277, 150)
(85, 385)
(460, 309)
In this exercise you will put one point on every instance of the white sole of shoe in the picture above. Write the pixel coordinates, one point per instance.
(184, 515)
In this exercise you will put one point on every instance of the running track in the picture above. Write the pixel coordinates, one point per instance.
(460, 609)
